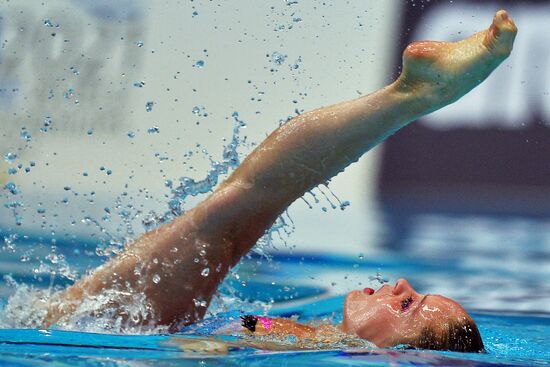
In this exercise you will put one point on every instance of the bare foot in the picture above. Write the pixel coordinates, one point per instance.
(445, 71)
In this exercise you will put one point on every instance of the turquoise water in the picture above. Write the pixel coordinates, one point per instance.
(496, 266)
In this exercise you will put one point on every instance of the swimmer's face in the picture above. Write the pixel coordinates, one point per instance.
(396, 314)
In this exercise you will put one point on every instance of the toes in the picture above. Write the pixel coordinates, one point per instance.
(504, 23)
(500, 36)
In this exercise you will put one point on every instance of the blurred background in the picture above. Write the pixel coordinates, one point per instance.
(106, 105)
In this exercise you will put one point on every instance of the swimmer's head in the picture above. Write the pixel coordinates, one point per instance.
(397, 314)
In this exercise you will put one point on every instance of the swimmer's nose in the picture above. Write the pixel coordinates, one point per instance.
(368, 291)
(402, 286)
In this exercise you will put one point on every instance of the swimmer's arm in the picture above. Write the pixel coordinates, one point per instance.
(281, 327)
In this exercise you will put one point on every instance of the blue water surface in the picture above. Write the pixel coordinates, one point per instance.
(496, 266)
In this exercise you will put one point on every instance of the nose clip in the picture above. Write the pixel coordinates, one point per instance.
(368, 291)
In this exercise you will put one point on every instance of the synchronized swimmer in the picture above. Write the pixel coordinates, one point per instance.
(301, 154)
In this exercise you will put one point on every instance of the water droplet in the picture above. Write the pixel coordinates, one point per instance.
(199, 64)
(153, 130)
(344, 204)
(199, 302)
(90, 131)
(195, 13)
(46, 123)
(24, 134)
(41, 211)
(205, 272)
(156, 278)
(131, 134)
(139, 43)
(48, 23)
(66, 188)
(149, 106)
(139, 84)
(10, 157)
(296, 64)
(277, 58)
(11, 187)
(75, 70)
(69, 93)
(161, 158)
(199, 111)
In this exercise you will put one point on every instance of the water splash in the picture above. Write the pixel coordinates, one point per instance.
(379, 278)
(14, 202)
(191, 187)
(97, 313)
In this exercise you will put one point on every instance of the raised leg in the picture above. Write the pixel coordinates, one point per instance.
(168, 264)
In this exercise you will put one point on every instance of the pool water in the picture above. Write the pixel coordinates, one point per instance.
(496, 266)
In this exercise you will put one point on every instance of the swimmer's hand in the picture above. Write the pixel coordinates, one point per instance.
(445, 71)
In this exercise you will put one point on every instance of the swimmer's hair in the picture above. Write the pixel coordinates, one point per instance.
(249, 322)
(456, 335)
